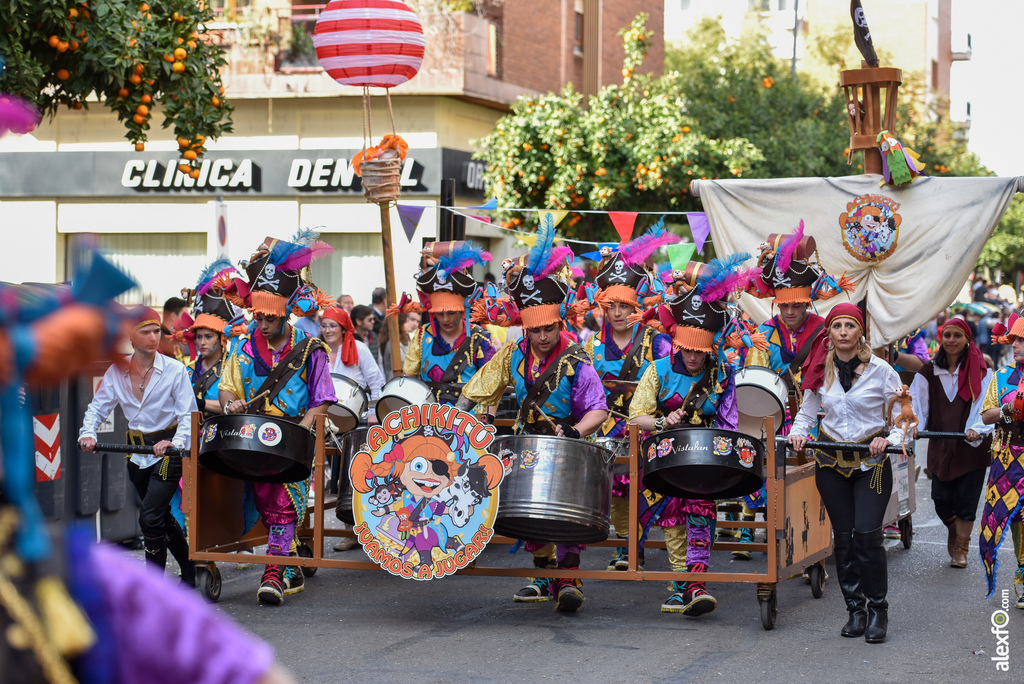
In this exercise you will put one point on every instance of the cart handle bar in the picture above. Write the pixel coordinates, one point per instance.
(844, 446)
(925, 434)
(139, 449)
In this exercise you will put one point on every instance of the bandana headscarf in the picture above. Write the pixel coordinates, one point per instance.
(143, 316)
(349, 353)
(814, 366)
(973, 367)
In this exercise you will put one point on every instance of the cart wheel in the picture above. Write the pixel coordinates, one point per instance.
(906, 531)
(769, 608)
(208, 581)
(306, 552)
(817, 572)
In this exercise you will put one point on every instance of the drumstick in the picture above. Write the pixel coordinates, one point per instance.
(258, 396)
(543, 415)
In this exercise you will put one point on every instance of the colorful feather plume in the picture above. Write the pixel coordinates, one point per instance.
(541, 252)
(664, 272)
(636, 252)
(463, 256)
(784, 256)
(560, 256)
(209, 275)
(721, 277)
(292, 256)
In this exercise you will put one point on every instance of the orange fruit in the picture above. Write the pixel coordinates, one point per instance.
(139, 119)
(183, 143)
(194, 173)
(53, 41)
(221, 89)
(72, 13)
(215, 102)
(191, 45)
(189, 154)
(86, 14)
(62, 46)
(142, 109)
(180, 54)
(147, 99)
(150, 81)
(139, 147)
(168, 57)
(122, 93)
(139, 68)
(184, 168)
(63, 74)
(143, 7)
(135, 78)
(176, 16)
(77, 105)
(74, 45)
(180, 40)
(85, 39)
(200, 139)
(178, 67)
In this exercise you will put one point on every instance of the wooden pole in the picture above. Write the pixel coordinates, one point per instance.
(394, 342)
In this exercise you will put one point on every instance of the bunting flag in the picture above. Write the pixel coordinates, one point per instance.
(699, 227)
(410, 216)
(556, 214)
(681, 254)
(481, 219)
(623, 222)
(489, 204)
(596, 254)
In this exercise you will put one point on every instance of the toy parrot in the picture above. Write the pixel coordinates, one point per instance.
(900, 164)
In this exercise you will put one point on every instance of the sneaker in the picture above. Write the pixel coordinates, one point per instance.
(537, 590)
(746, 537)
(674, 604)
(696, 602)
(569, 596)
(271, 589)
(346, 543)
(891, 532)
(294, 580)
(620, 560)
(1018, 581)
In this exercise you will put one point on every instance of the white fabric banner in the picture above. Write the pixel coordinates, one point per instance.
(909, 249)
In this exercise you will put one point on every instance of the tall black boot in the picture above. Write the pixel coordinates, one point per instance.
(156, 551)
(848, 569)
(177, 544)
(874, 582)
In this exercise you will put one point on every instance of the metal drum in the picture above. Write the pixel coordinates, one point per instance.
(702, 463)
(401, 392)
(351, 442)
(559, 490)
(760, 392)
(619, 446)
(351, 405)
(257, 448)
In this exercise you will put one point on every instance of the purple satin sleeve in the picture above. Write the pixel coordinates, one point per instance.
(321, 386)
(727, 417)
(166, 634)
(920, 350)
(661, 346)
(587, 393)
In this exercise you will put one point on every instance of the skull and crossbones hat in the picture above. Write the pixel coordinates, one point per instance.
(278, 276)
(787, 274)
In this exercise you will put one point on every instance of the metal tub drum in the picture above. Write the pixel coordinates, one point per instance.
(350, 443)
(558, 490)
(401, 392)
(702, 463)
(257, 448)
(760, 392)
(350, 409)
(619, 446)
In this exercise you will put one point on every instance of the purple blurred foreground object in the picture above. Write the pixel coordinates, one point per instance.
(17, 115)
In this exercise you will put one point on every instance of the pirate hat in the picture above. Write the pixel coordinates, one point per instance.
(622, 276)
(210, 308)
(277, 286)
(789, 276)
(446, 281)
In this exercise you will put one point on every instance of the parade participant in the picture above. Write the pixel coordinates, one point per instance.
(554, 383)
(1005, 490)
(948, 393)
(853, 386)
(793, 283)
(156, 396)
(691, 387)
(349, 356)
(173, 308)
(447, 350)
(294, 369)
(622, 351)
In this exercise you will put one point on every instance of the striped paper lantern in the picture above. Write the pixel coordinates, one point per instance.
(369, 42)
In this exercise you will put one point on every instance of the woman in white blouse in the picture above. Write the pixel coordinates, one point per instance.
(349, 356)
(852, 386)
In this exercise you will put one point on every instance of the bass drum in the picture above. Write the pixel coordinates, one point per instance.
(351, 443)
(702, 463)
(559, 489)
(401, 392)
(619, 446)
(760, 392)
(257, 448)
(351, 404)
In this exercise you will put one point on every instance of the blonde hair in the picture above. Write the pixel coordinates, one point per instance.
(863, 353)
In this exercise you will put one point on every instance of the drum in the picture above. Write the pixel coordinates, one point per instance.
(351, 404)
(256, 448)
(760, 392)
(702, 463)
(351, 442)
(399, 392)
(619, 446)
(559, 490)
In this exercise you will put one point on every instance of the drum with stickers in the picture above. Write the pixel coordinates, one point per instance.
(257, 448)
(555, 489)
(760, 392)
(702, 463)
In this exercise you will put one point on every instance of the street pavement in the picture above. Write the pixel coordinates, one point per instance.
(351, 625)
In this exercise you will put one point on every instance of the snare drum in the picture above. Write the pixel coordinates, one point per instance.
(401, 392)
(760, 392)
(351, 404)
(619, 446)
(702, 463)
(559, 490)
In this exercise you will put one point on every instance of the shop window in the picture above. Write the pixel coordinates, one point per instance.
(577, 48)
(493, 40)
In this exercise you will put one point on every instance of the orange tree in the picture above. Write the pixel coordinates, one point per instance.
(135, 57)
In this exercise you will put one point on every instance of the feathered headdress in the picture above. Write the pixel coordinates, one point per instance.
(788, 274)
(276, 285)
(635, 253)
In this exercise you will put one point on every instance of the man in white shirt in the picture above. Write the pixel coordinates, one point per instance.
(156, 396)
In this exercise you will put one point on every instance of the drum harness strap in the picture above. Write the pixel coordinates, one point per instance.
(798, 361)
(291, 364)
(631, 368)
(443, 389)
(208, 377)
(547, 383)
(699, 392)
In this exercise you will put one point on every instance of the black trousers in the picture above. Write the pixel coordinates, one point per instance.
(959, 497)
(159, 528)
(850, 501)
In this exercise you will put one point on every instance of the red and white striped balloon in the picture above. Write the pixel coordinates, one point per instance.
(369, 42)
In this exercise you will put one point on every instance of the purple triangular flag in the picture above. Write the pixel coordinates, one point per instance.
(699, 227)
(410, 216)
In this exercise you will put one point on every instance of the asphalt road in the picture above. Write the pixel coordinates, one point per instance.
(369, 626)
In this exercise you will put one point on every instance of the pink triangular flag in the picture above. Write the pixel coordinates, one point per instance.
(699, 227)
(481, 219)
(623, 222)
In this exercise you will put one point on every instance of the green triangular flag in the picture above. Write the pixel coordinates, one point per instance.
(680, 254)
